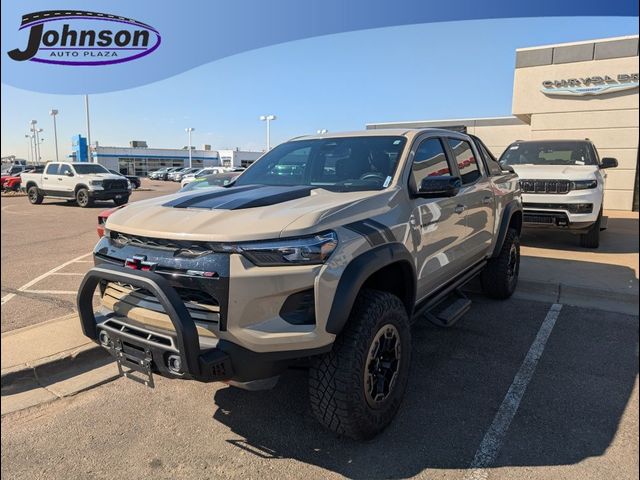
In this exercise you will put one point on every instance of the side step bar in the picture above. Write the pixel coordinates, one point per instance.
(450, 310)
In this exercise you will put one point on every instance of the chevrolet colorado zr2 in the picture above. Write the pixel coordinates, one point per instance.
(562, 184)
(322, 252)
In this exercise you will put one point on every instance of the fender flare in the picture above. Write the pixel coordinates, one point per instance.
(79, 186)
(356, 274)
(510, 209)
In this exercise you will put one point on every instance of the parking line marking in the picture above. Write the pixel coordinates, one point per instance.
(493, 438)
(9, 296)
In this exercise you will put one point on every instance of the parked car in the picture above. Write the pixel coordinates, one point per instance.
(203, 172)
(179, 174)
(134, 179)
(562, 185)
(82, 181)
(15, 169)
(11, 183)
(216, 180)
(102, 219)
(165, 175)
(157, 174)
(330, 266)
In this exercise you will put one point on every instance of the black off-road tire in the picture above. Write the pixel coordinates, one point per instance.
(121, 201)
(337, 379)
(500, 276)
(34, 195)
(83, 199)
(591, 239)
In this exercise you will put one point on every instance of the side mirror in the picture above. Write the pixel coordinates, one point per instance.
(439, 186)
(609, 162)
(69, 173)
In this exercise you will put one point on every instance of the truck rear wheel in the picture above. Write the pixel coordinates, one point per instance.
(500, 276)
(356, 389)
(83, 199)
(34, 195)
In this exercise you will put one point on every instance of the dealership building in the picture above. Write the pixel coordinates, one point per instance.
(139, 159)
(570, 91)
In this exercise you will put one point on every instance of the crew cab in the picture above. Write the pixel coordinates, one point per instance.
(324, 251)
(562, 184)
(79, 181)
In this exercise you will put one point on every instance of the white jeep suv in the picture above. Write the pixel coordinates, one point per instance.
(562, 185)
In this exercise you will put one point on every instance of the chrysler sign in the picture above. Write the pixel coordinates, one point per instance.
(596, 85)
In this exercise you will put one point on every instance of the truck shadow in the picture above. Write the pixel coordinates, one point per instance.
(621, 236)
(570, 412)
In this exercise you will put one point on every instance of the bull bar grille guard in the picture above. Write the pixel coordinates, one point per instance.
(208, 365)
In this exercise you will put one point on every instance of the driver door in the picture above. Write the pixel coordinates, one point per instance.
(437, 224)
(66, 180)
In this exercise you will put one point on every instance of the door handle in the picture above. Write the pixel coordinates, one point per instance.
(45, 178)
(486, 200)
(59, 179)
(459, 208)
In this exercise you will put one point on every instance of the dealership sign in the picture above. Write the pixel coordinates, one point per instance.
(590, 85)
(79, 38)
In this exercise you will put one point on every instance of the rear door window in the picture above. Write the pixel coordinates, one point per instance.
(466, 160)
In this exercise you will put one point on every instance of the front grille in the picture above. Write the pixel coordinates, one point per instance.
(545, 186)
(114, 184)
(140, 305)
(196, 248)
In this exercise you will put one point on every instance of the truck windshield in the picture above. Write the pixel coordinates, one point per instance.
(89, 168)
(548, 153)
(338, 164)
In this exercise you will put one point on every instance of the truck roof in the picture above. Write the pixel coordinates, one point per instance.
(377, 132)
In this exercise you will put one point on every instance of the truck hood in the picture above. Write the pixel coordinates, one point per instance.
(99, 176)
(555, 172)
(252, 212)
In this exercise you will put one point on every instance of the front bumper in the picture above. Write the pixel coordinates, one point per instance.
(108, 194)
(144, 348)
(561, 211)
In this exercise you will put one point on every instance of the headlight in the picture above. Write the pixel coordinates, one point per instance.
(95, 183)
(584, 184)
(128, 184)
(312, 250)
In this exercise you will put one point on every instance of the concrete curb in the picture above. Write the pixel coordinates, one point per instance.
(59, 378)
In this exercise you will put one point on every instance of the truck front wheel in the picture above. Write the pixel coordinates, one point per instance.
(83, 199)
(356, 389)
(34, 195)
(591, 239)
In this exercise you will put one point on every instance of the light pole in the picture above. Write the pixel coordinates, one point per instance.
(53, 112)
(322, 131)
(86, 111)
(29, 153)
(268, 119)
(189, 130)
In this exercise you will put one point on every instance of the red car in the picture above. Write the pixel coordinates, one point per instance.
(102, 219)
(10, 183)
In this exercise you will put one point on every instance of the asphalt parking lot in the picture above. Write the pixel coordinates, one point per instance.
(46, 250)
(521, 389)
(577, 419)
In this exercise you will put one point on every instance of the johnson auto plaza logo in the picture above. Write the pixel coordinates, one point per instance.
(73, 37)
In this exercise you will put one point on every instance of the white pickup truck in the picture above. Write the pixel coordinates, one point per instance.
(79, 181)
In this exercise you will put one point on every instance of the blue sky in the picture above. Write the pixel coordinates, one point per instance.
(337, 82)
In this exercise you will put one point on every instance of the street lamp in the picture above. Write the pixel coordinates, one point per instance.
(30, 153)
(53, 112)
(268, 118)
(322, 131)
(189, 130)
(36, 147)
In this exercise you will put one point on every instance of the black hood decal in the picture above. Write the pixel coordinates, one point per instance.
(235, 198)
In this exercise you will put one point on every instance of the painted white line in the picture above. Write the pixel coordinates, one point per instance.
(26, 286)
(493, 438)
(52, 292)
